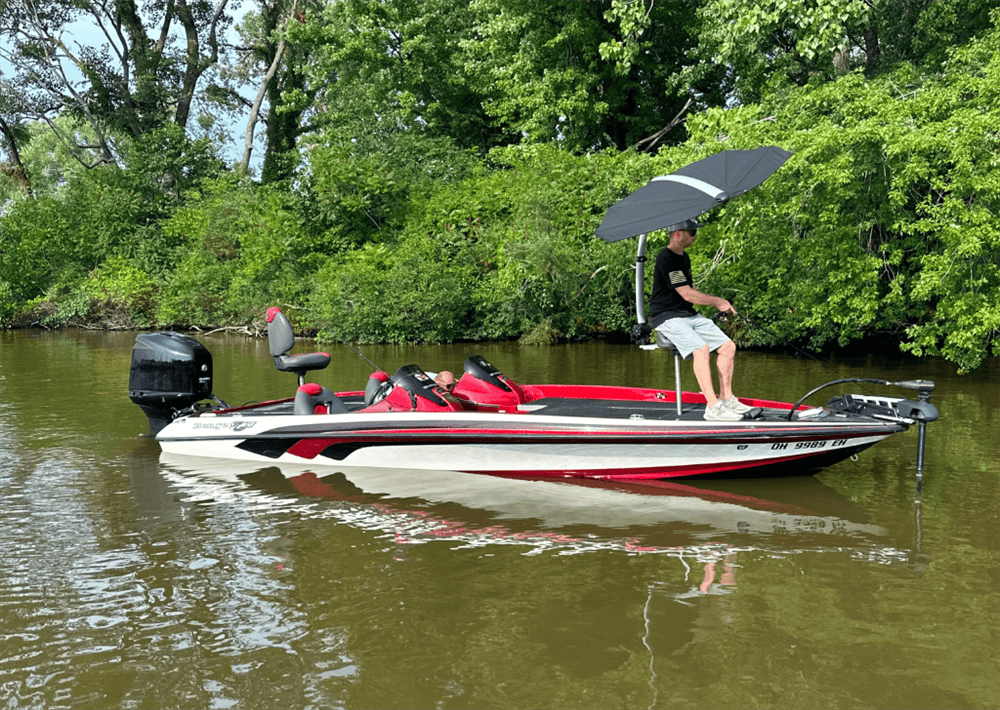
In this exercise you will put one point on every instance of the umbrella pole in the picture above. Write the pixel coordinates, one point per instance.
(640, 313)
(640, 280)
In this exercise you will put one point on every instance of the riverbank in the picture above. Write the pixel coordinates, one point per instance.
(878, 346)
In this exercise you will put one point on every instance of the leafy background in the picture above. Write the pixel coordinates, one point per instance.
(435, 171)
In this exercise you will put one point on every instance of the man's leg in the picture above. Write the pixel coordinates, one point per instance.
(703, 373)
(725, 363)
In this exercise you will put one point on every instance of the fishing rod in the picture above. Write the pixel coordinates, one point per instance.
(358, 353)
(754, 323)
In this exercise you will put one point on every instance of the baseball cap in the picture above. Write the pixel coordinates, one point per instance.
(687, 225)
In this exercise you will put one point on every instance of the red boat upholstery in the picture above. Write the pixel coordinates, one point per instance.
(379, 384)
(414, 391)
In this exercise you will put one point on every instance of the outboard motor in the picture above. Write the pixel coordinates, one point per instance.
(170, 372)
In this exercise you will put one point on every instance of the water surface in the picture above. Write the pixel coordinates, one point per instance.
(132, 580)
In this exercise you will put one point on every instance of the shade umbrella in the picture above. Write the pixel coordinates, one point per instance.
(690, 191)
(682, 195)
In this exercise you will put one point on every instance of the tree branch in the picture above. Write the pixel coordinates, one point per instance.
(655, 138)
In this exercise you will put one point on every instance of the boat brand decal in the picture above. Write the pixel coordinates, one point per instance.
(225, 426)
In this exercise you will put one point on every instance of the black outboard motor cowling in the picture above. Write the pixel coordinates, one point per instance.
(170, 372)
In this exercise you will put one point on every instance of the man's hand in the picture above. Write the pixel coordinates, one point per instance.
(724, 306)
(692, 295)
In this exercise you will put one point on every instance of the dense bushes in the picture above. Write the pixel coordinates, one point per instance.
(883, 223)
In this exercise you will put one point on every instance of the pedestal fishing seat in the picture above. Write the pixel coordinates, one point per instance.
(281, 339)
(664, 343)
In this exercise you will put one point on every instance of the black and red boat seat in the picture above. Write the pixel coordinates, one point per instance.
(312, 398)
(379, 384)
(281, 339)
(413, 390)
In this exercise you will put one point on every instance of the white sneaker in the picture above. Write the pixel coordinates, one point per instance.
(735, 405)
(718, 412)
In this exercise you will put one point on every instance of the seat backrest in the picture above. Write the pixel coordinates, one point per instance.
(280, 336)
(379, 384)
(312, 398)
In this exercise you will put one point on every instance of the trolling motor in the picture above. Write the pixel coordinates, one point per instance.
(920, 411)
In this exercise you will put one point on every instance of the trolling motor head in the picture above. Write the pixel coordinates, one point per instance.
(922, 410)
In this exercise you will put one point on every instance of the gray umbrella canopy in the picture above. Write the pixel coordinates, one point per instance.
(691, 191)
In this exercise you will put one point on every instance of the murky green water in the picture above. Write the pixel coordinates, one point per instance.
(127, 581)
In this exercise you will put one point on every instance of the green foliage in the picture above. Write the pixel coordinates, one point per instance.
(418, 293)
(455, 188)
(123, 295)
(31, 242)
(490, 73)
(99, 214)
(883, 223)
(492, 256)
(47, 160)
(237, 254)
(398, 63)
(355, 199)
(771, 43)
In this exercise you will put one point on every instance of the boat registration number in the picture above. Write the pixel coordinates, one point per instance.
(810, 444)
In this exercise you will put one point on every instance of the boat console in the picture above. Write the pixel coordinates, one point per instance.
(483, 384)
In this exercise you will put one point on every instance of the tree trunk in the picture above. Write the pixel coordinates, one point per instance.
(255, 110)
(18, 171)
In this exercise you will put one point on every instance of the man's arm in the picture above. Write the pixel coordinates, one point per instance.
(692, 295)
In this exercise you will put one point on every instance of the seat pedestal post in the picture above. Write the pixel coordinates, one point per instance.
(677, 380)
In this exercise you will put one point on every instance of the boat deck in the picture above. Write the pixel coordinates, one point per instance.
(623, 409)
(560, 407)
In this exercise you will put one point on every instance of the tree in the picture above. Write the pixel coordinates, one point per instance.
(590, 75)
(398, 63)
(44, 158)
(489, 73)
(138, 79)
(774, 41)
(882, 224)
(12, 136)
(275, 63)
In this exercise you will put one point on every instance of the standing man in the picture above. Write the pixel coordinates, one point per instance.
(672, 313)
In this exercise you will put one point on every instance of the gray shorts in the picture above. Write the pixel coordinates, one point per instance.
(690, 334)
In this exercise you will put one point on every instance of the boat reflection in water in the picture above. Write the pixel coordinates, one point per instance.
(704, 521)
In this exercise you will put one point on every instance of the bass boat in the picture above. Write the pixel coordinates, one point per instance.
(490, 424)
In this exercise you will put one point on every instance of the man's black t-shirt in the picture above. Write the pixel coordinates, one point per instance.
(672, 270)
